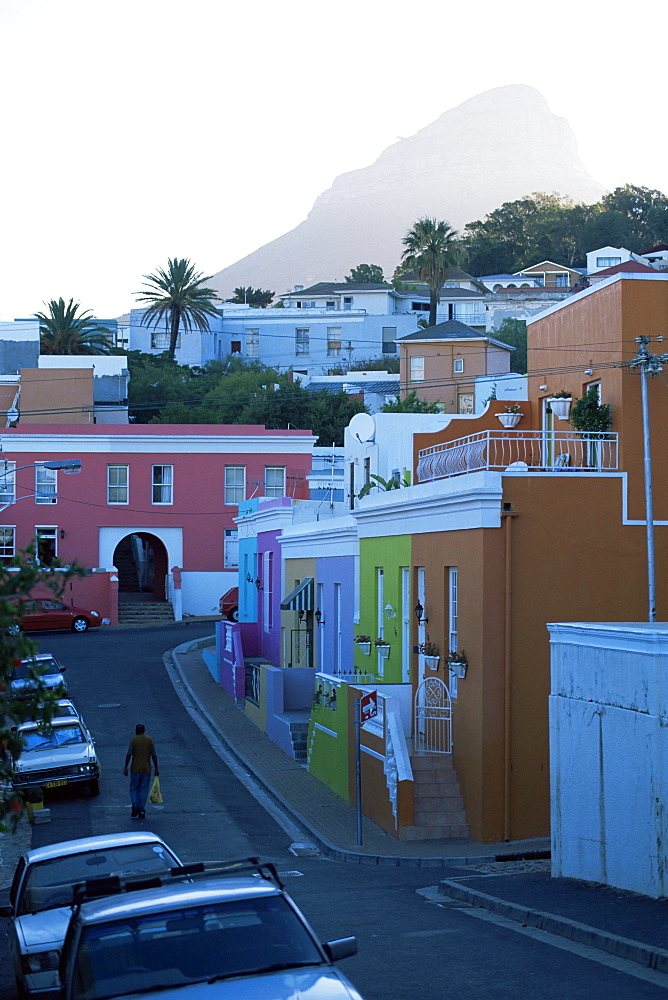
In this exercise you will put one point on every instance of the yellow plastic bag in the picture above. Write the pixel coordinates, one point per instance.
(155, 795)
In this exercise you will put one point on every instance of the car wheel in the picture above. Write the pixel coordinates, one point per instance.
(79, 625)
(94, 789)
(233, 615)
(14, 629)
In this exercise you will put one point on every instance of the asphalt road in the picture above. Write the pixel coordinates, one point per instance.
(412, 942)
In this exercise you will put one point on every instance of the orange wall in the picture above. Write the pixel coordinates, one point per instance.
(56, 396)
(440, 384)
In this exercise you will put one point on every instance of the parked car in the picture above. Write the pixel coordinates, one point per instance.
(229, 604)
(56, 755)
(227, 938)
(41, 896)
(50, 672)
(43, 614)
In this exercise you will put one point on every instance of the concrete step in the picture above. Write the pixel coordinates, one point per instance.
(434, 832)
(145, 611)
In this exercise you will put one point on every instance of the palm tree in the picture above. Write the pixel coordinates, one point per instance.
(177, 295)
(65, 330)
(429, 248)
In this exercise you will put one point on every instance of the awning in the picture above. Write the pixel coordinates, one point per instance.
(301, 598)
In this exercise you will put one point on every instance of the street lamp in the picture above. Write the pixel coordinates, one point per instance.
(69, 466)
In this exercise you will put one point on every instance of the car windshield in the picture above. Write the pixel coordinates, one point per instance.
(30, 670)
(48, 884)
(143, 953)
(42, 739)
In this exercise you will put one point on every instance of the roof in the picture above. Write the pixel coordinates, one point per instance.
(628, 265)
(562, 267)
(334, 287)
(301, 598)
(659, 246)
(362, 385)
(452, 329)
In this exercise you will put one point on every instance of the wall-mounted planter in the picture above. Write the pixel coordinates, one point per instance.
(432, 662)
(458, 668)
(383, 651)
(510, 419)
(364, 646)
(560, 406)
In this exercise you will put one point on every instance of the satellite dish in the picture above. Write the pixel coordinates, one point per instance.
(363, 427)
(12, 415)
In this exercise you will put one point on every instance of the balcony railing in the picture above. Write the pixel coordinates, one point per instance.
(519, 451)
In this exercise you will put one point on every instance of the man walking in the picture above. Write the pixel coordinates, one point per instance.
(141, 751)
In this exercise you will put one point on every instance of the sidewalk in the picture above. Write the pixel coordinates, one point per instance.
(621, 923)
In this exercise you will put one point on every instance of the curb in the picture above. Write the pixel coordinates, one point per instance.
(621, 947)
(325, 846)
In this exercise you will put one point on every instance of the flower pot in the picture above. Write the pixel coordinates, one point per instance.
(32, 808)
(510, 419)
(432, 661)
(383, 651)
(561, 407)
(458, 668)
(364, 646)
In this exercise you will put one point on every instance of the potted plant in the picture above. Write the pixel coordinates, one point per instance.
(591, 418)
(457, 662)
(430, 652)
(511, 416)
(383, 646)
(364, 643)
(560, 403)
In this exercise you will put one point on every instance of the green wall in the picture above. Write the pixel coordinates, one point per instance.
(391, 554)
(328, 755)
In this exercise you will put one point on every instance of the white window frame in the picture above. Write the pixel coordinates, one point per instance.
(162, 486)
(47, 532)
(231, 549)
(46, 484)
(274, 489)
(118, 486)
(7, 542)
(416, 369)
(388, 341)
(235, 484)
(302, 340)
(334, 341)
(267, 590)
(453, 621)
(458, 366)
(7, 482)
(380, 615)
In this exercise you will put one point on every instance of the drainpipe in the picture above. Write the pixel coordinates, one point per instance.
(507, 514)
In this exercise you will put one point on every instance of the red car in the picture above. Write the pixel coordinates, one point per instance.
(229, 605)
(43, 614)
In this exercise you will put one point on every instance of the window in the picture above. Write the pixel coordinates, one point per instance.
(231, 553)
(162, 483)
(235, 484)
(453, 623)
(302, 340)
(330, 305)
(420, 306)
(45, 485)
(417, 370)
(7, 482)
(235, 347)
(458, 366)
(347, 302)
(253, 343)
(160, 340)
(608, 261)
(333, 341)
(389, 340)
(561, 280)
(274, 481)
(45, 544)
(118, 477)
(464, 402)
(7, 543)
(267, 601)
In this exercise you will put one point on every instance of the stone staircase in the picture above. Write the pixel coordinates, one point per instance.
(145, 612)
(438, 807)
(299, 737)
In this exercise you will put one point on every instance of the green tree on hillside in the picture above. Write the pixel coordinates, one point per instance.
(259, 298)
(372, 273)
(429, 248)
(514, 333)
(65, 330)
(176, 294)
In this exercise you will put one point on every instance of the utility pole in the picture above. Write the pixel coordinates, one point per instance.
(649, 364)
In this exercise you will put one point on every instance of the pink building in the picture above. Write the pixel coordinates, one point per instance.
(148, 500)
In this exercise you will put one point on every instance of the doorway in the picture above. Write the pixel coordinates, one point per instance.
(141, 561)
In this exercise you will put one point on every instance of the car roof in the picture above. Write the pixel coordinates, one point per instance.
(38, 657)
(81, 846)
(165, 898)
(59, 722)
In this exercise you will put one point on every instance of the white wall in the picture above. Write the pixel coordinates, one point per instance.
(609, 754)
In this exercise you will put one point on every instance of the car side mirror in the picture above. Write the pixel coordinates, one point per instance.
(6, 911)
(340, 948)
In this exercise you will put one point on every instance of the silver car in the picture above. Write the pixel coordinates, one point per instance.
(46, 667)
(41, 896)
(228, 938)
(57, 754)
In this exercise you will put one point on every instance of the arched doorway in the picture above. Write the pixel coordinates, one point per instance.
(141, 561)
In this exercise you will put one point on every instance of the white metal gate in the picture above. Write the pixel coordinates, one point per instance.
(433, 717)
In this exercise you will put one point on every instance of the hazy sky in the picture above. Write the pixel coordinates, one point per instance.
(135, 130)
